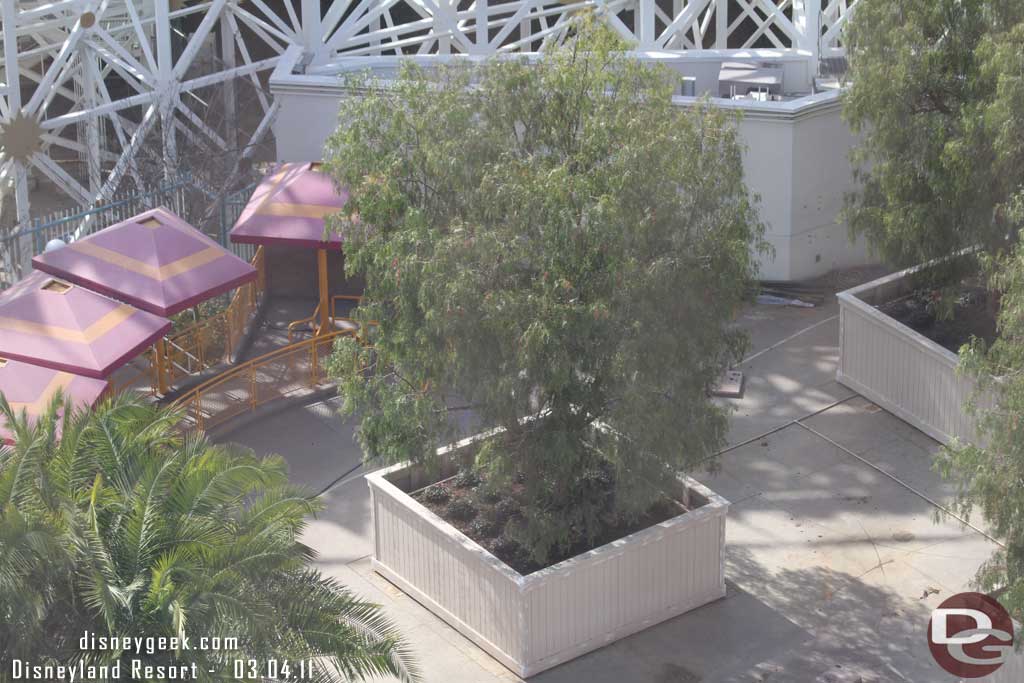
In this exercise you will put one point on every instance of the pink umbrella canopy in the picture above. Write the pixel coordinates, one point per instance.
(155, 261)
(289, 208)
(30, 388)
(47, 321)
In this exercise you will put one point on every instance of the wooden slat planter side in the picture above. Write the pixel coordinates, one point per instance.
(535, 622)
(626, 586)
(899, 369)
(445, 571)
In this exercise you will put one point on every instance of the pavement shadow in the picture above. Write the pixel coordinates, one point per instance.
(791, 625)
(796, 487)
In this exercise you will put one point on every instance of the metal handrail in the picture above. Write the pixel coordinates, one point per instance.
(345, 297)
(189, 344)
(188, 357)
(140, 380)
(350, 297)
(296, 323)
(203, 413)
(292, 326)
(236, 300)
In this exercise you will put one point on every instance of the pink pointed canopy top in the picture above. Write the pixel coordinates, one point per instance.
(59, 325)
(155, 261)
(30, 388)
(289, 208)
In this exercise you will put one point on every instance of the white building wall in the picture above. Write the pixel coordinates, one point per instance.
(796, 160)
(768, 170)
(305, 120)
(821, 174)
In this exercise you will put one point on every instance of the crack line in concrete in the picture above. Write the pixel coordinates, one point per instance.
(881, 565)
(899, 481)
(786, 340)
(878, 555)
(775, 430)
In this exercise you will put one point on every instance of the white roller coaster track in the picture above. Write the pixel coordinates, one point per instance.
(102, 78)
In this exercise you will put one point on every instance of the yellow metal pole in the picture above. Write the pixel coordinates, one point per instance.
(252, 385)
(197, 405)
(229, 333)
(261, 269)
(313, 370)
(161, 372)
(201, 347)
(321, 258)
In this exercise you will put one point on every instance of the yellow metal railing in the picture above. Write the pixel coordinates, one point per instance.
(296, 326)
(215, 339)
(139, 376)
(360, 328)
(311, 320)
(247, 386)
(343, 297)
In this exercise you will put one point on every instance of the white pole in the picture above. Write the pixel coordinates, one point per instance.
(482, 38)
(722, 25)
(312, 31)
(165, 94)
(12, 74)
(644, 24)
(807, 20)
(92, 124)
(227, 55)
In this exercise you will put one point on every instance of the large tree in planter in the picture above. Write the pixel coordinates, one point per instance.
(121, 526)
(990, 477)
(937, 89)
(551, 238)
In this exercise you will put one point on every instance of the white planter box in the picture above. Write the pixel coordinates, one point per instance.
(899, 369)
(534, 622)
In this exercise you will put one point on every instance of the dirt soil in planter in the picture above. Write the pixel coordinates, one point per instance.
(973, 316)
(465, 502)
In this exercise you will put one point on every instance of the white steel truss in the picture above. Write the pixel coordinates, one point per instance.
(100, 79)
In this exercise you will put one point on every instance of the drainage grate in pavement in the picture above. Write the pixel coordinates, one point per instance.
(731, 385)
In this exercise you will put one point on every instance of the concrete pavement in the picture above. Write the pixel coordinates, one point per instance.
(834, 553)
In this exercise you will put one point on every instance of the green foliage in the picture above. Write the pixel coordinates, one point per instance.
(198, 313)
(553, 238)
(935, 92)
(990, 477)
(484, 527)
(124, 527)
(506, 509)
(436, 494)
(461, 509)
(466, 479)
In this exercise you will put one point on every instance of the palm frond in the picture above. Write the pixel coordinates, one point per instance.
(125, 526)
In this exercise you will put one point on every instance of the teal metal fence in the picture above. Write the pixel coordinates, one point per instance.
(18, 247)
(230, 210)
